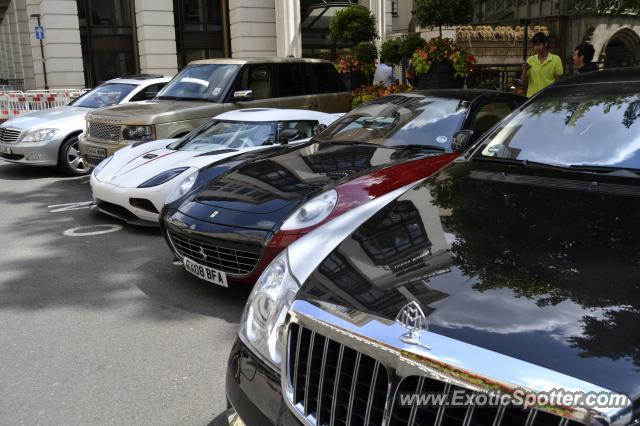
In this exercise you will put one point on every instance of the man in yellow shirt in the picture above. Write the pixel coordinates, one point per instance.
(541, 69)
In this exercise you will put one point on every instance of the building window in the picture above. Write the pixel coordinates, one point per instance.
(106, 36)
(394, 7)
(201, 30)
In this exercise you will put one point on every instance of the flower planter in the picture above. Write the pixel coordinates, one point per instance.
(441, 75)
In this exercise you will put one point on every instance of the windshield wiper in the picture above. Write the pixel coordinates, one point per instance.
(418, 147)
(217, 151)
(580, 168)
(360, 143)
(610, 170)
(181, 98)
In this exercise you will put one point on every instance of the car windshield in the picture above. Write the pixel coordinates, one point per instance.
(201, 83)
(588, 125)
(227, 134)
(401, 120)
(104, 96)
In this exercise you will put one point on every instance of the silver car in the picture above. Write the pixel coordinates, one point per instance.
(50, 137)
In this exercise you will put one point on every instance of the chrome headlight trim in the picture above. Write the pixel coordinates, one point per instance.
(39, 135)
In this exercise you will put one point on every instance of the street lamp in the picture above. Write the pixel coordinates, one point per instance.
(44, 65)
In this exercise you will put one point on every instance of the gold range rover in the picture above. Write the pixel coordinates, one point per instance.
(210, 87)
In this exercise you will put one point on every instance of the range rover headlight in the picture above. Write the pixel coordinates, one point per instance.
(162, 177)
(39, 135)
(102, 165)
(139, 133)
(186, 184)
(312, 212)
(264, 314)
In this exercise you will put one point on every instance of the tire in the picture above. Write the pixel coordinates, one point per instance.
(69, 160)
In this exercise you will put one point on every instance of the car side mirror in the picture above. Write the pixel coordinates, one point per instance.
(243, 95)
(288, 134)
(462, 140)
(319, 128)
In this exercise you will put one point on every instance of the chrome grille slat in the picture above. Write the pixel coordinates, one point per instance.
(354, 382)
(295, 371)
(374, 377)
(498, 419)
(414, 409)
(440, 415)
(8, 135)
(230, 261)
(531, 418)
(106, 132)
(321, 381)
(334, 394)
(308, 375)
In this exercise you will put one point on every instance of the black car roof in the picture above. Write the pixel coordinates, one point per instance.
(610, 76)
(462, 94)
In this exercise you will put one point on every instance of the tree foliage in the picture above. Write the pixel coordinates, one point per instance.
(443, 13)
(354, 24)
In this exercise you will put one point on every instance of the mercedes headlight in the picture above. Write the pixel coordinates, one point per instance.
(139, 133)
(264, 314)
(162, 177)
(312, 212)
(39, 135)
(186, 184)
(101, 165)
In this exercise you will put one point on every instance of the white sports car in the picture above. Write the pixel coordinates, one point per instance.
(136, 182)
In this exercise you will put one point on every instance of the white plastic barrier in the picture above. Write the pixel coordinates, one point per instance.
(17, 103)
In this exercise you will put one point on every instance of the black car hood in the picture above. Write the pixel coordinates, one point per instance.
(539, 265)
(264, 191)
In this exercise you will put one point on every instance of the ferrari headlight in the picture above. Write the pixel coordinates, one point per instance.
(39, 135)
(139, 133)
(162, 177)
(101, 165)
(184, 187)
(312, 212)
(264, 314)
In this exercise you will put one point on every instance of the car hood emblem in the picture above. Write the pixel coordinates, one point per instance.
(203, 253)
(413, 319)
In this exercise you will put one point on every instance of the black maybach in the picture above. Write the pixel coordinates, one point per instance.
(515, 267)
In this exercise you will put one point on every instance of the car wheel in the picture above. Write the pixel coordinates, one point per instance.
(69, 159)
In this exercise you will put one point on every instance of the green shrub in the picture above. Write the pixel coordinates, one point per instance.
(354, 24)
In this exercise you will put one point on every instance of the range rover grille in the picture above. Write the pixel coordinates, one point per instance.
(108, 132)
(9, 135)
(228, 260)
(332, 384)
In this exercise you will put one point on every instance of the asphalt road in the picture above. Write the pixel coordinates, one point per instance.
(102, 329)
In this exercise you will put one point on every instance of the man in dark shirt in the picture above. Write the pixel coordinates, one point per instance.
(582, 57)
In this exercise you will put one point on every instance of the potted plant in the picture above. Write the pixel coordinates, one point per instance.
(441, 64)
(399, 50)
(366, 54)
(355, 25)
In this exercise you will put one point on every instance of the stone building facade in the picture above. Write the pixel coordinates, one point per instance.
(616, 38)
(89, 41)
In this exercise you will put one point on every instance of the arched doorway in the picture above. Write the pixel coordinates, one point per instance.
(622, 50)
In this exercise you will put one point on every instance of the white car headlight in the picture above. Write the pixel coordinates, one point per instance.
(263, 317)
(186, 184)
(39, 135)
(312, 212)
(101, 165)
